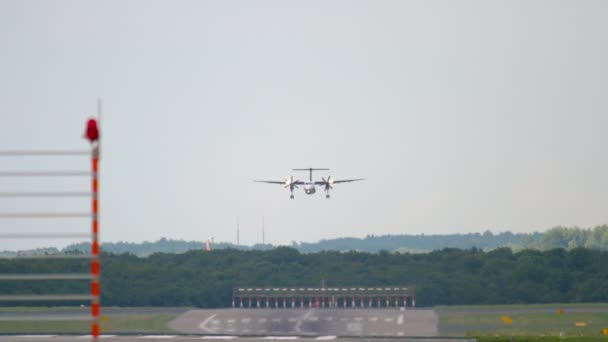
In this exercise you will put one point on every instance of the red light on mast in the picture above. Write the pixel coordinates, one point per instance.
(92, 132)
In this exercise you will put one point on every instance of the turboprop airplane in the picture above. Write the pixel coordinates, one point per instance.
(310, 185)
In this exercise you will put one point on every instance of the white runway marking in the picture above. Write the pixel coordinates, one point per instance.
(215, 322)
(231, 321)
(292, 319)
(100, 336)
(219, 337)
(281, 338)
(358, 318)
(276, 320)
(325, 338)
(400, 320)
(262, 320)
(401, 333)
(246, 320)
(313, 318)
(329, 319)
(343, 319)
(303, 318)
(388, 319)
(373, 319)
(231, 330)
(203, 324)
(159, 337)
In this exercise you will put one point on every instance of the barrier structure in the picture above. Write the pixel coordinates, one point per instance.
(41, 217)
(324, 297)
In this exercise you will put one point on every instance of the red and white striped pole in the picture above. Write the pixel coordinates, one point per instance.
(92, 134)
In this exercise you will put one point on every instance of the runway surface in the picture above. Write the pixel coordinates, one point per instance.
(309, 322)
(185, 338)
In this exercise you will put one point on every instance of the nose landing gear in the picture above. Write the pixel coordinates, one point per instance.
(327, 195)
(291, 196)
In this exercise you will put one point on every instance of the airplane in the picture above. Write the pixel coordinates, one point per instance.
(310, 185)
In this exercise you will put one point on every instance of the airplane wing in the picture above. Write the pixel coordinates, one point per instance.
(271, 182)
(280, 182)
(339, 181)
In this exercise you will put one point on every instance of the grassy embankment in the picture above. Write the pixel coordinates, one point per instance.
(114, 323)
(525, 322)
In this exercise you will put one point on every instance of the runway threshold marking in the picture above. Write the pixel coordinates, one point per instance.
(388, 319)
(280, 338)
(326, 338)
(100, 336)
(219, 337)
(400, 320)
(204, 323)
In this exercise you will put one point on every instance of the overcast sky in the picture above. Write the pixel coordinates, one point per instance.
(462, 115)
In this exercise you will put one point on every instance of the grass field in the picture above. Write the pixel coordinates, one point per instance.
(115, 323)
(559, 320)
(539, 339)
(534, 323)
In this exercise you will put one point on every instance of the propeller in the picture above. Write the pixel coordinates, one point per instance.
(328, 182)
(289, 183)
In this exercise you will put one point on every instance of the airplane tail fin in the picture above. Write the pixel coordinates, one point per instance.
(310, 169)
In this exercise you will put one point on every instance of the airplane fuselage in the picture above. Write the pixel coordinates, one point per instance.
(309, 188)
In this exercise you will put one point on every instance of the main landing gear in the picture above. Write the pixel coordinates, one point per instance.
(291, 196)
(327, 195)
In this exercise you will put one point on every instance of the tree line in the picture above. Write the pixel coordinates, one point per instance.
(442, 277)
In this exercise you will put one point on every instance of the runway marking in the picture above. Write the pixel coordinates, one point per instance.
(281, 338)
(313, 318)
(215, 322)
(330, 318)
(158, 337)
(303, 318)
(343, 319)
(230, 321)
(400, 320)
(358, 318)
(100, 336)
(401, 333)
(246, 330)
(262, 320)
(292, 319)
(231, 330)
(373, 319)
(325, 338)
(263, 331)
(276, 320)
(219, 337)
(204, 323)
(388, 319)
(246, 320)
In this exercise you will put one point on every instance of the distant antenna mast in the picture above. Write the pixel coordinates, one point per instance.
(238, 239)
(263, 233)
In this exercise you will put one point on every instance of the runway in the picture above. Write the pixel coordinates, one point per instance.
(186, 338)
(309, 322)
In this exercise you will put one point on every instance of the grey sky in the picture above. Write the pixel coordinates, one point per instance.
(463, 115)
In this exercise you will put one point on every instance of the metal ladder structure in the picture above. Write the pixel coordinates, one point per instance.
(40, 218)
